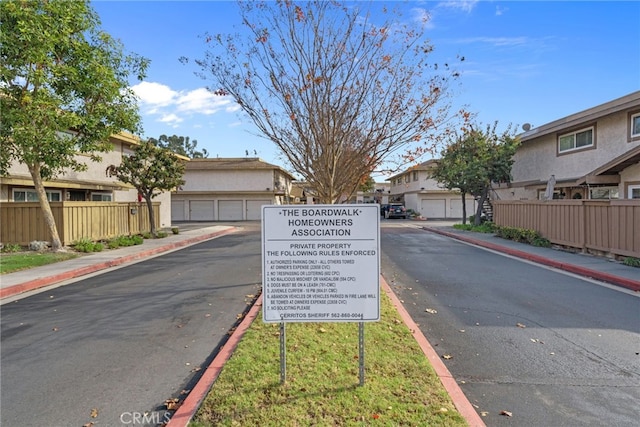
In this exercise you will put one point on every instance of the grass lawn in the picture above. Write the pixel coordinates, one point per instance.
(11, 262)
(322, 388)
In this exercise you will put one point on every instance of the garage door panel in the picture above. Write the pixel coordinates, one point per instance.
(433, 208)
(456, 208)
(254, 208)
(201, 210)
(230, 210)
(177, 210)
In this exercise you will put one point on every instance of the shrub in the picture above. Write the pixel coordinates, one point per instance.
(11, 247)
(161, 234)
(137, 240)
(175, 230)
(632, 261)
(522, 235)
(147, 235)
(86, 245)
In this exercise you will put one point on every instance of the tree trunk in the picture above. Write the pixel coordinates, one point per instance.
(152, 221)
(56, 244)
(478, 219)
(464, 208)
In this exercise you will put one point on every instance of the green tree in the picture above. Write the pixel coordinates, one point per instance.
(64, 90)
(335, 91)
(473, 161)
(151, 170)
(181, 145)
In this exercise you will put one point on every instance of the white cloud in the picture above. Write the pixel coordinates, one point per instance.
(497, 41)
(155, 94)
(423, 16)
(170, 119)
(463, 5)
(501, 10)
(201, 101)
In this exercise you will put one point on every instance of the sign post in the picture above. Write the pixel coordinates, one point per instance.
(321, 263)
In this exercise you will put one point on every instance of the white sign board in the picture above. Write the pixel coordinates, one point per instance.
(321, 263)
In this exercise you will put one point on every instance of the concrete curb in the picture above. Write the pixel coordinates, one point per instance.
(582, 271)
(192, 402)
(194, 399)
(72, 274)
(459, 399)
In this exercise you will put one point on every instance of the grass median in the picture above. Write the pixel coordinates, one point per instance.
(322, 387)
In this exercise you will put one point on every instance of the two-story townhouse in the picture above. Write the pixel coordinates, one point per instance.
(418, 191)
(230, 189)
(95, 184)
(593, 154)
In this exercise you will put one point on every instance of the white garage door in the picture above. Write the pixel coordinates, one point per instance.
(230, 210)
(254, 208)
(456, 208)
(201, 210)
(177, 210)
(433, 208)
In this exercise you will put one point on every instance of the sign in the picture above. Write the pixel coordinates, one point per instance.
(321, 263)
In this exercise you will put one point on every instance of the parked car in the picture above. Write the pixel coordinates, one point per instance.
(395, 210)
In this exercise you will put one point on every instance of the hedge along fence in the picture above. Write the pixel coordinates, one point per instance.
(612, 227)
(21, 223)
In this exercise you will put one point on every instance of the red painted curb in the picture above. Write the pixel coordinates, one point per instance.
(50, 280)
(582, 271)
(459, 399)
(189, 407)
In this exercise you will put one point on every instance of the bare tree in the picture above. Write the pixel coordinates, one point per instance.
(336, 92)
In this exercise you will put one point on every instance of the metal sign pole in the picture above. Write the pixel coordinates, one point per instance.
(361, 347)
(283, 354)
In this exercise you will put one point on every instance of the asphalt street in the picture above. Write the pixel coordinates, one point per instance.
(528, 345)
(119, 344)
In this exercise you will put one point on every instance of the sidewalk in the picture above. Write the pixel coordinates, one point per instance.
(595, 267)
(13, 284)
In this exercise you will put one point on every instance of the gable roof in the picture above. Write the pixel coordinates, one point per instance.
(626, 102)
(234, 163)
(424, 166)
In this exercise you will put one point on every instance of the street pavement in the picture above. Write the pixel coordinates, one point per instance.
(21, 284)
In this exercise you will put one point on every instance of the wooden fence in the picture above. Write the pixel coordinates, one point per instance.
(21, 223)
(611, 227)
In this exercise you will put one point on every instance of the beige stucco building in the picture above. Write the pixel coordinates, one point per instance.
(94, 184)
(230, 189)
(593, 154)
(418, 191)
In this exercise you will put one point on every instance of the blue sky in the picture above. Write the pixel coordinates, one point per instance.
(525, 61)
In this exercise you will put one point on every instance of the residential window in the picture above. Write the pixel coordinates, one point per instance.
(635, 126)
(407, 178)
(101, 197)
(603, 193)
(415, 175)
(634, 191)
(575, 140)
(29, 195)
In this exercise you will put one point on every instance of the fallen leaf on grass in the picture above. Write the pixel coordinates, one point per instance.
(431, 311)
(94, 413)
(506, 413)
(375, 416)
